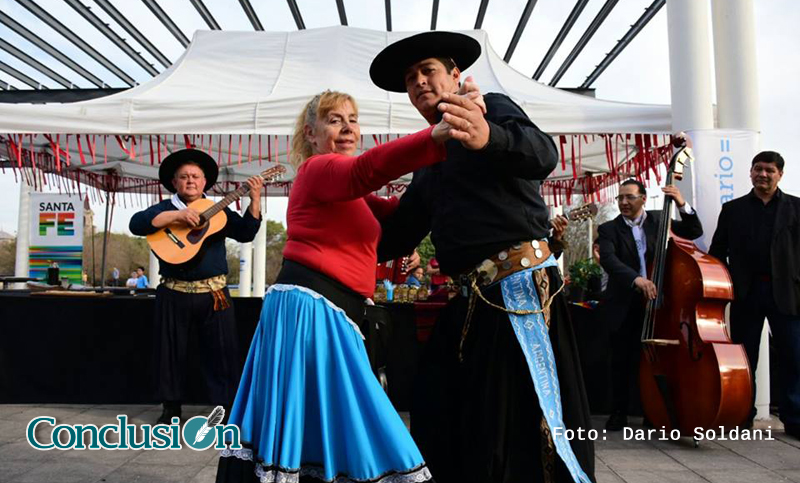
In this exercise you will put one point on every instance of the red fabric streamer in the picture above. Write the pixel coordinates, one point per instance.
(92, 145)
(152, 154)
(80, 149)
(574, 173)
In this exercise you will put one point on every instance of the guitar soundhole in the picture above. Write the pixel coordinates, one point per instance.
(196, 235)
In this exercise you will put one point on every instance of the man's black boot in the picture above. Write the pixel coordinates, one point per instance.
(171, 409)
(617, 421)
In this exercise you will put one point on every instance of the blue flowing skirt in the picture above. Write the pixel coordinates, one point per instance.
(308, 403)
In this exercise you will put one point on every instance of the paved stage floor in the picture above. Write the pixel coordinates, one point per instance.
(618, 460)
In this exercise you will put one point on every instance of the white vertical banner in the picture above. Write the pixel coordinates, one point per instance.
(721, 172)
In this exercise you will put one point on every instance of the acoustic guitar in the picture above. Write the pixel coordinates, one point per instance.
(178, 243)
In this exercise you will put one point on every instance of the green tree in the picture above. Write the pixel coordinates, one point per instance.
(123, 252)
(232, 257)
(426, 250)
(8, 257)
(276, 240)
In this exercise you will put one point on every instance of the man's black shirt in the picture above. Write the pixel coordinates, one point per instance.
(477, 203)
(762, 218)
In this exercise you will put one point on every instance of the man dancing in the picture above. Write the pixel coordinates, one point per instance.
(491, 406)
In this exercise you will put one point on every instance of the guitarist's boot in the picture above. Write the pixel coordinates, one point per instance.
(171, 409)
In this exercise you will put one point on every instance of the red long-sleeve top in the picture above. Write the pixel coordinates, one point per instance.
(333, 215)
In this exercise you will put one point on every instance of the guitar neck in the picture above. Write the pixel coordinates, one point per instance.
(228, 199)
(238, 193)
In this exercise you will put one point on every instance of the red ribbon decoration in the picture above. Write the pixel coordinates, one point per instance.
(80, 150)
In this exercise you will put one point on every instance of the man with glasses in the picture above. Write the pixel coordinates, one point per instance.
(194, 318)
(627, 245)
(758, 238)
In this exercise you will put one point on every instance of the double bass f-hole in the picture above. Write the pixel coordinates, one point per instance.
(695, 352)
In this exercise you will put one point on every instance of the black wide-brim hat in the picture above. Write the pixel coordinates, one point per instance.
(389, 66)
(175, 160)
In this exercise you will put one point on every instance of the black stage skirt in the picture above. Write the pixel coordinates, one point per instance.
(479, 420)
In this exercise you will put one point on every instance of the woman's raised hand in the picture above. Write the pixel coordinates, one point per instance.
(471, 91)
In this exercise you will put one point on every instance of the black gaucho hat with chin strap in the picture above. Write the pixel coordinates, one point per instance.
(175, 160)
(389, 66)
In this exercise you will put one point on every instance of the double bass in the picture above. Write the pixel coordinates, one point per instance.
(691, 375)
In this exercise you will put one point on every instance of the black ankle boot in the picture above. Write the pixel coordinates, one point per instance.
(617, 421)
(171, 409)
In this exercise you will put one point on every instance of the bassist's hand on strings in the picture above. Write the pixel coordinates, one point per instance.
(647, 287)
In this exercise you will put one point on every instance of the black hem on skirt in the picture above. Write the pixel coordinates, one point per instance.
(233, 469)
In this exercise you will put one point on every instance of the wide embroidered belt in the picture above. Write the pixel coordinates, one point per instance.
(213, 285)
(518, 257)
(197, 286)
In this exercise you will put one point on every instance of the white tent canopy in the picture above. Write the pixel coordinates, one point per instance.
(257, 82)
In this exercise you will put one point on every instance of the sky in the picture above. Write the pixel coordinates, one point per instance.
(641, 74)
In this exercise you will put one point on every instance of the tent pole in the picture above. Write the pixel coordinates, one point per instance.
(245, 261)
(105, 244)
(22, 260)
(260, 258)
(94, 263)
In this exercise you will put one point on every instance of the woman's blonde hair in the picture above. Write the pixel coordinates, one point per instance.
(319, 106)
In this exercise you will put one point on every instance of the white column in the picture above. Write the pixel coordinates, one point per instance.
(21, 265)
(735, 64)
(152, 273)
(762, 376)
(737, 108)
(245, 261)
(690, 74)
(690, 64)
(260, 258)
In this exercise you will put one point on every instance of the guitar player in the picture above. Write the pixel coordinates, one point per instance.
(194, 318)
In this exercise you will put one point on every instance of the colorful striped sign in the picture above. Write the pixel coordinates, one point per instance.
(69, 261)
(56, 235)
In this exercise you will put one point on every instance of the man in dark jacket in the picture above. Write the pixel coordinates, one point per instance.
(194, 316)
(627, 244)
(758, 238)
(490, 405)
